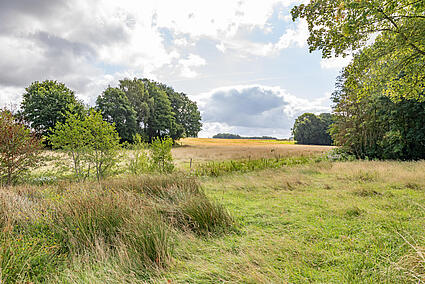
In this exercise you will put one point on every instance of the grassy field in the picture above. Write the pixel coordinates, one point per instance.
(307, 219)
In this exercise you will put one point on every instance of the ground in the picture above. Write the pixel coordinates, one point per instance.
(319, 221)
(348, 222)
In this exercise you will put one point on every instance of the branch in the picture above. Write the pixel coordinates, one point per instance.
(401, 33)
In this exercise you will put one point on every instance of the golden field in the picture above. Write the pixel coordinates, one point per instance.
(208, 149)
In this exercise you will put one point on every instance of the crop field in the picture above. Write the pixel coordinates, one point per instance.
(203, 149)
(247, 212)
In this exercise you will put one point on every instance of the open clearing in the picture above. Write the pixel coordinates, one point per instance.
(325, 222)
(203, 149)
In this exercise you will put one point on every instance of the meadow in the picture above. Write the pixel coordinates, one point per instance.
(245, 212)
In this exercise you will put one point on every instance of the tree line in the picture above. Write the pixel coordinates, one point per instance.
(236, 136)
(379, 100)
(137, 106)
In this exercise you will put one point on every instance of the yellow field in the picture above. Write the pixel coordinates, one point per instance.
(206, 149)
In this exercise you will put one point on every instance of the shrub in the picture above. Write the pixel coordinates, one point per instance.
(161, 158)
(19, 148)
(139, 162)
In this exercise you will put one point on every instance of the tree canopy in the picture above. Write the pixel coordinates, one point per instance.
(159, 110)
(393, 30)
(116, 108)
(46, 103)
(312, 129)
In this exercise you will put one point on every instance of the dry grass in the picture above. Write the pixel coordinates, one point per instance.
(204, 149)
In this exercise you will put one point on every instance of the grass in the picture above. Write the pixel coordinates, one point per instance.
(290, 219)
(310, 224)
(128, 224)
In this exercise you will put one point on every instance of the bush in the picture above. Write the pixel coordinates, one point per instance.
(139, 162)
(161, 158)
(19, 149)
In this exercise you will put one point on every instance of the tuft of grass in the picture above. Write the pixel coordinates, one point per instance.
(205, 217)
(27, 258)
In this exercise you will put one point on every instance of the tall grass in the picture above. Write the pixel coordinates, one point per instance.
(128, 223)
(216, 169)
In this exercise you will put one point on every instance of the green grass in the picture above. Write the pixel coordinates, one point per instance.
(313, 224)
(303, 221)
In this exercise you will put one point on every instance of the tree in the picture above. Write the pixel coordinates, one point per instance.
(187, 115)
(373, 126)
(19, 148)
(115, 108)
(396, 28)
(90, 141)
(139, 99)
(162, 119)
(46, 103)
(161, 158)
(72, 136)
(104, 144)
(312, 129)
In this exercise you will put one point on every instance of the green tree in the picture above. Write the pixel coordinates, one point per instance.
(161, 158)
(187, 115)
(19, 148)
(72, 136)
(395, 64)
(162, 119)
(374, 126)
(312, 129)
(116, 108)
(90, 141)
(46, 103)
(138, 96)
(103, 142)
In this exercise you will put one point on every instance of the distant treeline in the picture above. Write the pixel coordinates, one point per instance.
(236, 136)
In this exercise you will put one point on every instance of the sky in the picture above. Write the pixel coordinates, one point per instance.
(245, 62)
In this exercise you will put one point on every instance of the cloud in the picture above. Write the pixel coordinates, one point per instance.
(254, 110)
(335, 62)
(190, 62)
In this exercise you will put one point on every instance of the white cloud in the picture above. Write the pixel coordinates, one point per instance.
(335, 62)
(189, 63)
(254, 110)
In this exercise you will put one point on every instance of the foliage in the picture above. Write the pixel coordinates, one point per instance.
(159, 110)
(115, 108)
(90, 141)
(72, 136)
(312, 129)
(161, 158)
(139, 162)
(46, 103)
(19, 148)
(161, 121)
(339, 27)
(138, 96)
(236, 136)
(376, 127)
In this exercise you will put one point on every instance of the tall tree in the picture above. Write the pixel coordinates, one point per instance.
(312, 129)
(116, 108)
(46, 103)
(374, 126)
(396, 29)
(138, 96)
(162, 119)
